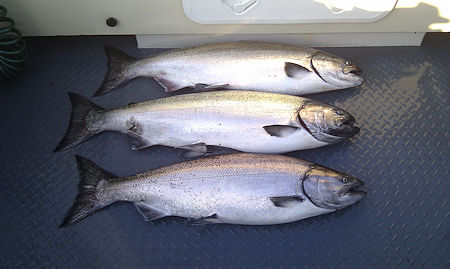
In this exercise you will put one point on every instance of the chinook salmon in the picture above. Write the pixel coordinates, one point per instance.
(249, 189)
(255, 66)
(247, 121)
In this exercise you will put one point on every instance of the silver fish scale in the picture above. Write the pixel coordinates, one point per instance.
(401, 153)
(236, 188)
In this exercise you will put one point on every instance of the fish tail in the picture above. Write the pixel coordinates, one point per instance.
(92, 180)
(79, 129)
(118, 72)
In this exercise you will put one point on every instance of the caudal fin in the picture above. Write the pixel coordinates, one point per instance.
(87, 202)
(117, 73)
(79, 129)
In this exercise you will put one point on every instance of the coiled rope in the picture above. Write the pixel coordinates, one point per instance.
(12, 48)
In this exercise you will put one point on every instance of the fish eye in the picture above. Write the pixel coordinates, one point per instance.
(347, 63)
(344, 180)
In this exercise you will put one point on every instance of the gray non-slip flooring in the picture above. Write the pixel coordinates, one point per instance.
(401, 153)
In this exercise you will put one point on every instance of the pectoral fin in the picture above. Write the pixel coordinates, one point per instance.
(149, 213)
(284, 201)
(280, 130)
(295, 71)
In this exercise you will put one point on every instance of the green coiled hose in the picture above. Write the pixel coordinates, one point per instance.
(13, 51)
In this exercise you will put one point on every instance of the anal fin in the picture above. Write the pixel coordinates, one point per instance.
(211, 86)
(137, 141)
(219, 85)
(148, 212)
(204, 220)
(194, 150)
(284, 201)
(168, 85)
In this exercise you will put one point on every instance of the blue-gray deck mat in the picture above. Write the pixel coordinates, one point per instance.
(401, 153)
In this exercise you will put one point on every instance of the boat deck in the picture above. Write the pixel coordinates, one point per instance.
(402, 154)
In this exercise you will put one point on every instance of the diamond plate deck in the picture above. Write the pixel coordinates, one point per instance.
(402, 153)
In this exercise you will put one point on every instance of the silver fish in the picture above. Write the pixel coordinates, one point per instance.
(247, 121)
(255, 66)
(247, 189)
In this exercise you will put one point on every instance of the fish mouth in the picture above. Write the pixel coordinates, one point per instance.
(353, 74)
(355, 189)
(346, 131)
(354, 70)
(344, 128)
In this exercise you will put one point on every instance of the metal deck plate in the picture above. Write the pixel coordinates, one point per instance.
(401, 153)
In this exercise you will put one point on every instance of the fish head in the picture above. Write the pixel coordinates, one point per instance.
(327, 123)
(329, 189)
(336, 71)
